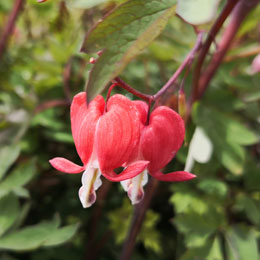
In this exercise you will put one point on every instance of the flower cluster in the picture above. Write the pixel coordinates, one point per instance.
(117, 134)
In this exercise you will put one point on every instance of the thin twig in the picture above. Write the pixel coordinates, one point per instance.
(135, 92)
(205, 47)
(93, 247)
(8, 29)
(240, 12)
(66, 79)
(50, 104)
(137, 220)
(243, 54)
(188, 60)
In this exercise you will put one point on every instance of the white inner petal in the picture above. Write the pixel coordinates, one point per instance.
(134, 187)
(91, 181)
(125, 184)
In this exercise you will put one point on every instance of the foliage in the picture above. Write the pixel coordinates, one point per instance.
(216, 216)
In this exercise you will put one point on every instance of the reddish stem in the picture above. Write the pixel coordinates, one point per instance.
(205, 47)
(66, 79)
(8, 30)
(240, 12)
(135, 92)
(50, 104)
(137, 220)
(188, 60)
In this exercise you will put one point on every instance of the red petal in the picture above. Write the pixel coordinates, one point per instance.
(64, 165)
(83, 123)
(118, 133)
(142, 108)
(174, 176)
(130, 172)
(162, 138)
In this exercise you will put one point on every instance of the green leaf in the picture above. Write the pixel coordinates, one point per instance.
(62, 137)
(213, 187)
(28, 238)
(43, 234)
(215, 252)
(239, 133)
(18, 177)
(62, 235)
(242, 243)
(188, 201)
(197, 253)
(197, 11)
(227, 135)
(9, 208)
(148, 234)
(85, 4)
(122, 35)
(8, 155)
(250, 207)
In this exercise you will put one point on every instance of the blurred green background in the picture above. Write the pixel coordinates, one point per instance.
(216, 216)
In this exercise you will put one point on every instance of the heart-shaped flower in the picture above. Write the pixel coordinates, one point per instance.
(160, 140)
(105, 137)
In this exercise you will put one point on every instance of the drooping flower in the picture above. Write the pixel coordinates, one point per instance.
(160, 140)
(105, 136)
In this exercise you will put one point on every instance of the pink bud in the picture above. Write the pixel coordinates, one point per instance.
(256, 64)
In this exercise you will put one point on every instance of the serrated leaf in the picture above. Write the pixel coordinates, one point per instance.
(250, 207)
(9, 208)
(8, 155)
(122, 35)
(242, 244)
(215, 252)
(197, 11)
(227, 135)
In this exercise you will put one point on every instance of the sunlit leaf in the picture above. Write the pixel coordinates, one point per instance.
(242, 243)
(32, 237)
(197, 11)
(122, 35)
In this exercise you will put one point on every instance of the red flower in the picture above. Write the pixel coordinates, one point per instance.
(160, 140)
(104, 141)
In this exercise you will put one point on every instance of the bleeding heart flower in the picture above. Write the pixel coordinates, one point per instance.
(160, 140)
(105, 137)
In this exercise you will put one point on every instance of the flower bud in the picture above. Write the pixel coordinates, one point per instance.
(256, 64)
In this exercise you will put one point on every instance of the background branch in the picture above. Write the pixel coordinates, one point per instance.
(8, 29)
(240, 12)
(137, 220)
(205, 47)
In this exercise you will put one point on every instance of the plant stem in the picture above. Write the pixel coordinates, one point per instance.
(135, 92)
(66, 79)
(93, 246)
(8, 30)
(240, 12)
(205, 47)
(50, 104)
(137, 220)
(188, 60)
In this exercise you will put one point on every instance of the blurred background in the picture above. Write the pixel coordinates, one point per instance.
(215, 217)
